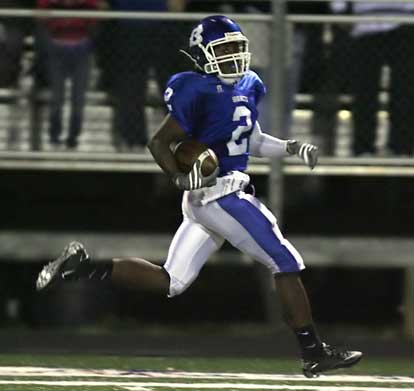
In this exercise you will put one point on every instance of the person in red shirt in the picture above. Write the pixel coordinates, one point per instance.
(69, 45)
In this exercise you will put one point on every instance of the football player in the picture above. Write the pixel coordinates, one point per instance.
(217, 105)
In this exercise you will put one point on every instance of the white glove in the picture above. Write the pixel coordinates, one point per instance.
(195, 179)
(307, 152)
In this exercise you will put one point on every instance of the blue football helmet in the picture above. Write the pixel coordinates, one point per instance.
(218, 46)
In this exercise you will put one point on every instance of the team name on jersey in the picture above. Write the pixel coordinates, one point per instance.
(240, 98)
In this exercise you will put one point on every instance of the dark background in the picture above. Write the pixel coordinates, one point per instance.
(119, 202)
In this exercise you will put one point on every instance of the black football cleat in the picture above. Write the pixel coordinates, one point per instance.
(66, 267)
(330, 358)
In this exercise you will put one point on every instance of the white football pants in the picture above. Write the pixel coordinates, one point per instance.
(239, 218)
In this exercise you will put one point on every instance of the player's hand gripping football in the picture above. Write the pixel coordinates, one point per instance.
(307, 152)
(195, 178)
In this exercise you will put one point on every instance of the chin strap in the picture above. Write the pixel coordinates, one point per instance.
(191, 58)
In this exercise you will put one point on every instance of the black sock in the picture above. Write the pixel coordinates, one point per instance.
(309, 341)
(97, 270)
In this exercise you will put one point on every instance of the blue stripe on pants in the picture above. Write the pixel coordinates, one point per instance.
(260, 229)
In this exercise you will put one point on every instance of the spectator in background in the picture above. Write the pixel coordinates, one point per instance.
(68, 46)
(306, 60)
(12, 33)
(11, 46)
(377, 44)
(138, 47)
(332, 62)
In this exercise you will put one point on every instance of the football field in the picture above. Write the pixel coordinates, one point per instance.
(104, 373)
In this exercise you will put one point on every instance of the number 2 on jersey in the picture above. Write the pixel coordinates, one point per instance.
(235, 145)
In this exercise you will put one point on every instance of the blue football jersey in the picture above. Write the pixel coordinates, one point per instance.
(219, 115)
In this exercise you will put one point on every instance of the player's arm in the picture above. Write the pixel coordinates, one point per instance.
(170, 133)
(264, 145)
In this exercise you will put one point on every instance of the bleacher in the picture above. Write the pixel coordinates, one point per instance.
(15, 107)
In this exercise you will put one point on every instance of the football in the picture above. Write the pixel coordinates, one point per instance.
(187, 152)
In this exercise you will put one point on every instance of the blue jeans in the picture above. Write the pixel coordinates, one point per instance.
(73, 62)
